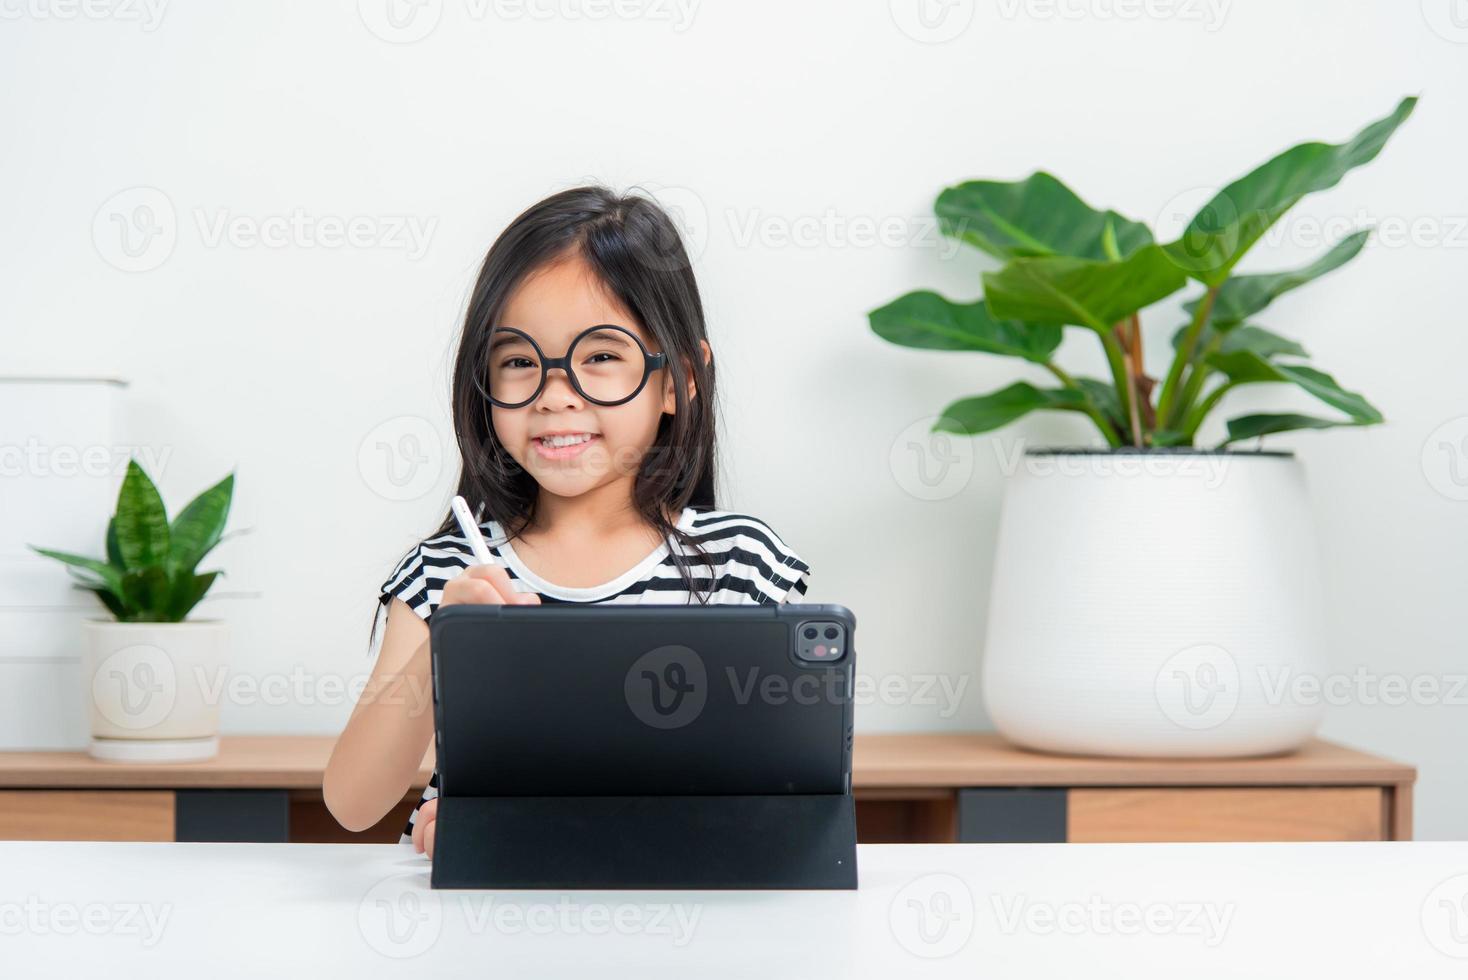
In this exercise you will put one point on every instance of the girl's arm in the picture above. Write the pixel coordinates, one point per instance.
(380, 750)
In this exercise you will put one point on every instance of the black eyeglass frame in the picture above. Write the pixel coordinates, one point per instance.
(650, 363)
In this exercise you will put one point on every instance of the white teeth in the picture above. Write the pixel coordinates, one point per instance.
(558, 441)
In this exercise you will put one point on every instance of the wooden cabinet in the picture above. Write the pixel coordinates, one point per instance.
(911, 787)
(1231, 813)
(65, 814)
(979, 788)
(264, 788)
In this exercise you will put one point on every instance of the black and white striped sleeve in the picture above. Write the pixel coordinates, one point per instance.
(408, 583)
(778, 572)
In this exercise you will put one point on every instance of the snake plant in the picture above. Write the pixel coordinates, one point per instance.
(149, 575)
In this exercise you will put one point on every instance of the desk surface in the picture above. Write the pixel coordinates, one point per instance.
(961, 910)
(879, 762)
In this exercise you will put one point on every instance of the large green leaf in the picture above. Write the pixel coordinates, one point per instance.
(1261, 342)
(1246, 367)
(1240, 297)
(1080, 291)
(1247, 337)
(198, 528)
(1035, 216)
(141, 521)
(926, 320)
(970, 416)
(1237, 216)
(1249, 426)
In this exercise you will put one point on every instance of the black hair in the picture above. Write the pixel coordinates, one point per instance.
(635, 249)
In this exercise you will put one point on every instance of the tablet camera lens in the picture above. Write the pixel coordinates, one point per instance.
(814, 649)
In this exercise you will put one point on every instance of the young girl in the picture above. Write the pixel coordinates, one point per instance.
(590, 456)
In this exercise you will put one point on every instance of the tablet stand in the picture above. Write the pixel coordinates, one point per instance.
(613, 842)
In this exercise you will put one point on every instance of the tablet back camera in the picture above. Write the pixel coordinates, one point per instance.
(820, 642)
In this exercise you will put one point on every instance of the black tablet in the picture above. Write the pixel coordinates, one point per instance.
(561, 700)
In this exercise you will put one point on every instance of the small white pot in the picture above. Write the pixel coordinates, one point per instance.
(1155, 603)
(148, 686)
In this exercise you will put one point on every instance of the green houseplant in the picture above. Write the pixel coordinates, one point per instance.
(1223, 538)
(147, 668)
(149, 574)
(1068, 264)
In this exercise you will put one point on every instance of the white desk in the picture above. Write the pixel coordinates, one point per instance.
(998, 910)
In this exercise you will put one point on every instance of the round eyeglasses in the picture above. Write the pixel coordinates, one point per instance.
(606, 364)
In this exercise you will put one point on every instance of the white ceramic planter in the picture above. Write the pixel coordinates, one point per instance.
(152, 689)
(1155, 603)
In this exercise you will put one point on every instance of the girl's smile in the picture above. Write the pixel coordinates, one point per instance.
(563, 446)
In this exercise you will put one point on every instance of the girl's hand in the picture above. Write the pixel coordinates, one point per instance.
(424, 826)
(484, 584)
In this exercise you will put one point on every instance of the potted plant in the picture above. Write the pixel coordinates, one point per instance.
(146, 670)
(1151, 597)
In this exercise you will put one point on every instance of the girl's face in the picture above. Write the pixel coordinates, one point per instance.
(553, 305)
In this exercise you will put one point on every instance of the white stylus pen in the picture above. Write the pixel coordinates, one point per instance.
(470, 527)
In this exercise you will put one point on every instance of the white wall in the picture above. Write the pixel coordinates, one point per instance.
(758, 119)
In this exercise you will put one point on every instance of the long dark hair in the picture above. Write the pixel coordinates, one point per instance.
(634, 247)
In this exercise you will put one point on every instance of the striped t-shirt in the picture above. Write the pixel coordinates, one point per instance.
(746, 563)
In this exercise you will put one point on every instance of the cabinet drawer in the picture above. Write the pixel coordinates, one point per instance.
(113, 814)
(1295, 813)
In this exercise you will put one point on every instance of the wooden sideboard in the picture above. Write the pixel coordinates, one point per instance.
(909, 787)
